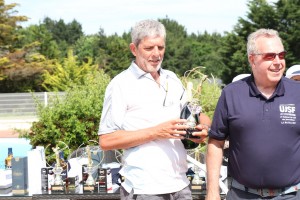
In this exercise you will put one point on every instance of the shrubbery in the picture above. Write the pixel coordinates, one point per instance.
(72, 119)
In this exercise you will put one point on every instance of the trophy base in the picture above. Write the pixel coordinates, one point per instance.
(57, 189)
(198, 187)
(90, 189)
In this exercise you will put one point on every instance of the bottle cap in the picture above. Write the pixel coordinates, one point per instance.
(9, 150)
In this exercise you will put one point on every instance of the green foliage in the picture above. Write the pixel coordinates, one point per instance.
(61, 31)
(64, 76)
(47, 46)
(114, 54)
(73, 118)
(87, 47)
(8, 24)
(235, 56)
(21, 70)
(207, 90)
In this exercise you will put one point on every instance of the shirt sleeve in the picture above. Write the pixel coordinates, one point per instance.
(114, 108)
(219, 128)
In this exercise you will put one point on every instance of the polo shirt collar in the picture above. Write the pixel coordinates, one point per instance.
(139, 73)
(279, 91)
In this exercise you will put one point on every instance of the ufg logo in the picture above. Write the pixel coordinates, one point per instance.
(287, 108)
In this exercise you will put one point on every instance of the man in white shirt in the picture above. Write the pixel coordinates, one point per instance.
(141, 116)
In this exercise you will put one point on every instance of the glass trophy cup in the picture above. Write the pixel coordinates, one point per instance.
(191, 112)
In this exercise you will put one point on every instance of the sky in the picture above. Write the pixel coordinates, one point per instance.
(118, 16)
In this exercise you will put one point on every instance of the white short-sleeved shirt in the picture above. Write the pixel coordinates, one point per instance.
(134, 101)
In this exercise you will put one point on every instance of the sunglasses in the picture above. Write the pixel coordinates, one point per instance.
(272, 56)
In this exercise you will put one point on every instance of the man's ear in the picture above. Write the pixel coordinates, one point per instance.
(251, 60)
(133, 49)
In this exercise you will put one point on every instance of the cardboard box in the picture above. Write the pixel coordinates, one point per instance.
(19, 176)
(5, 178)
(47, 179)
(105, 180)
(5, 181)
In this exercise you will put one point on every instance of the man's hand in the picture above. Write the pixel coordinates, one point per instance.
(171, 129)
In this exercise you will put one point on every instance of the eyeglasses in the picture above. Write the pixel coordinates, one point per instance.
(271, 56)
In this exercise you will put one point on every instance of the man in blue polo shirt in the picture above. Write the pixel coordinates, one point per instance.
(261, 116)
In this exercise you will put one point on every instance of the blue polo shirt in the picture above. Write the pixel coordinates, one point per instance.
(264, 134)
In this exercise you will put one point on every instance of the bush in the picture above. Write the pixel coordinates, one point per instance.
(72, 119)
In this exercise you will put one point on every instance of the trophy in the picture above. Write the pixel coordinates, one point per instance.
(89, 185)
(193, 119)
(58, 185)
(190, 112)
(198, 183)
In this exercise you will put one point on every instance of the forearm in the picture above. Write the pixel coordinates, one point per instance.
(122, 139)
(213, 164)
(205, 120)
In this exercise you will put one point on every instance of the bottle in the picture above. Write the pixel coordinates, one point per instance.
(8, 158)
(187, 113)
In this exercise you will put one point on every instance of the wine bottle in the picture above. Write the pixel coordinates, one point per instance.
(8, 158)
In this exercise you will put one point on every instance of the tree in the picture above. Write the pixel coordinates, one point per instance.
(21, 65)
(113, 55)
(119, 55)
(64, 34)
(8, 25)
(38, 34)
(61, 31)
(234, 55)
(177, 53)
(21, 70)
(206, 52)
(86, 47)
(64, 76)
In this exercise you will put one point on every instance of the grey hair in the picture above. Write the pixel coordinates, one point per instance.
(147, 28)
(251, 44)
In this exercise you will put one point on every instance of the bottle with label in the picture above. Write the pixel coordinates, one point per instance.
(8, 158)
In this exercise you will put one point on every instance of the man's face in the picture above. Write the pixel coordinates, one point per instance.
(266, 69)
(149, 53)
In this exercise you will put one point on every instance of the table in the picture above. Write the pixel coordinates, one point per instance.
(114, 196)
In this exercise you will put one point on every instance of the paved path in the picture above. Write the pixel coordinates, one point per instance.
(8, 126)
(8, 134)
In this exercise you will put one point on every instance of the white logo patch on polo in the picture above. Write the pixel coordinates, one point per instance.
(287, 113)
